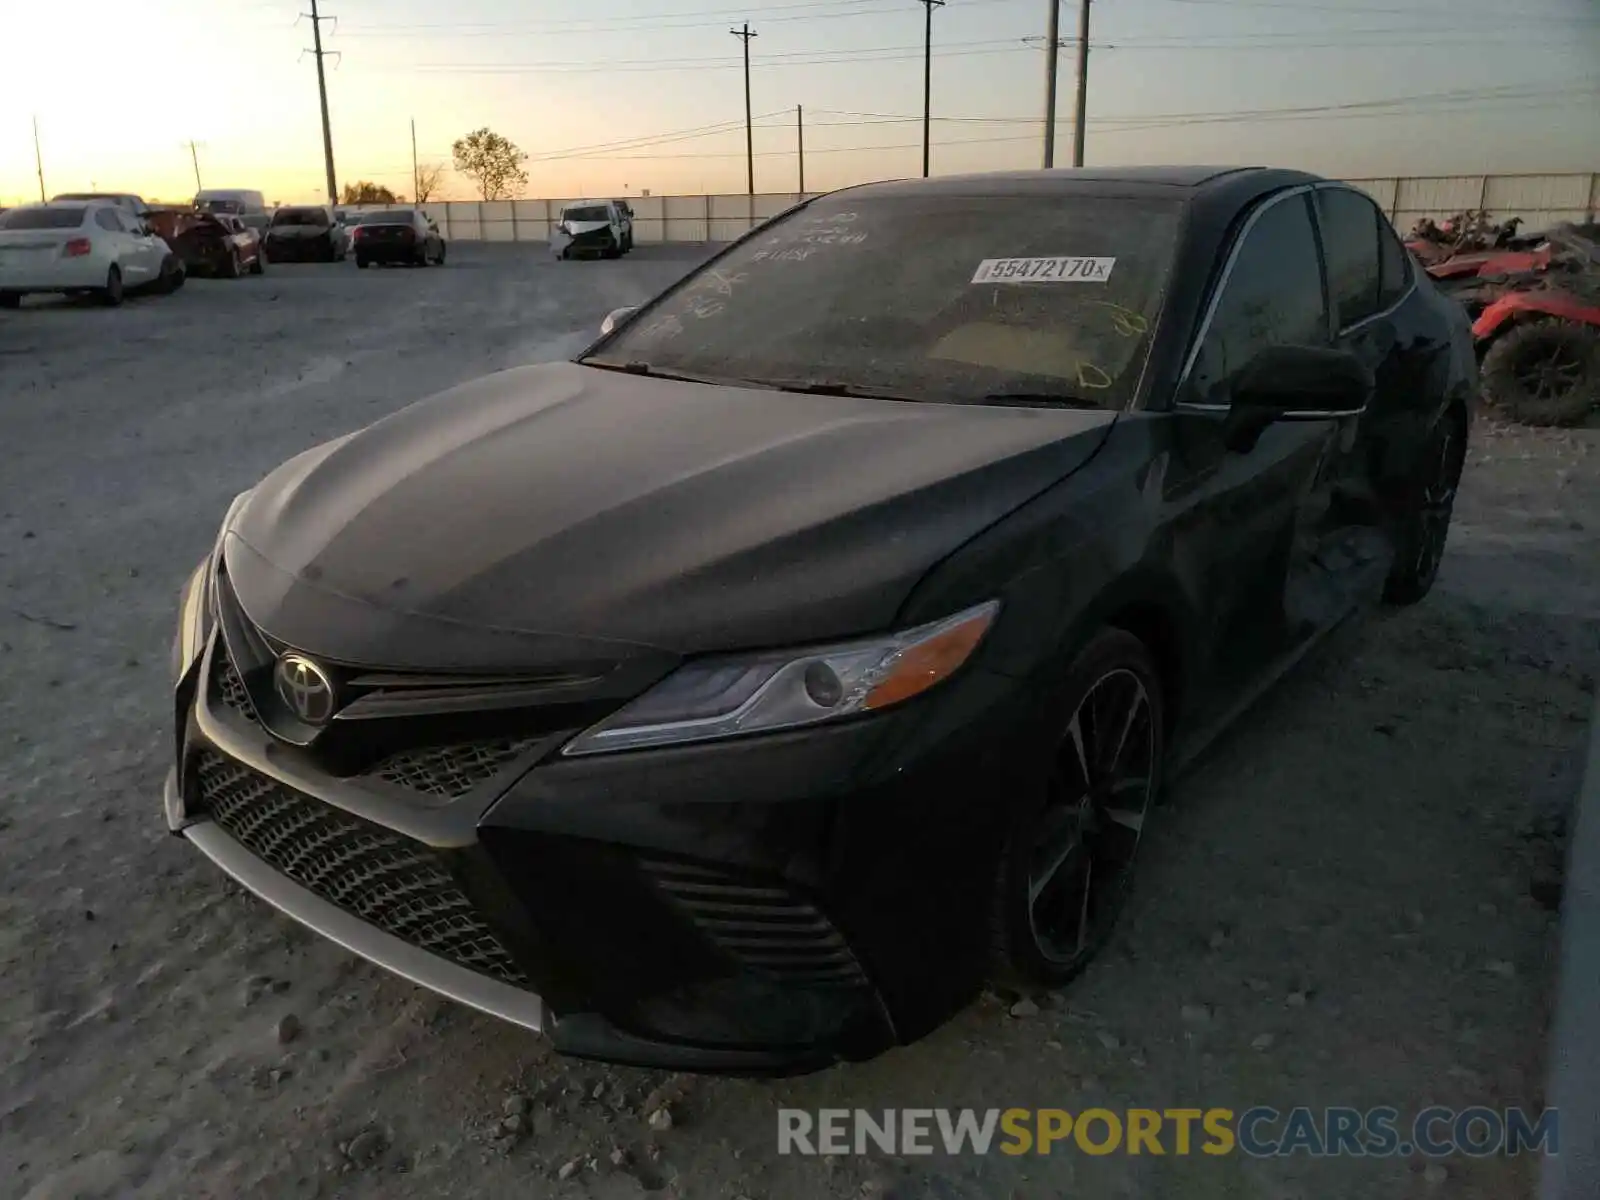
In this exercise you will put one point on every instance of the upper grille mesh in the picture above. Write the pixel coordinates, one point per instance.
(395, 883)
(228, 687)
(765, 926)
(450, 770)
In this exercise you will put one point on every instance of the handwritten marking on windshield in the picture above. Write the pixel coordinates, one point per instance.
(1124, 320)
(1092, 377)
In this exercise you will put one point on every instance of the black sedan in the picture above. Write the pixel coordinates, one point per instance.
(396, 235)
(308, 233)
(743, 694)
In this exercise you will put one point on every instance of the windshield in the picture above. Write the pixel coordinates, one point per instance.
(944, 298)
(300, 216)
(42, 218)
(593, 212)
(220, 205)
(394, 216)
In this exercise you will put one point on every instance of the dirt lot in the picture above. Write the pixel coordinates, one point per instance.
(1335, 909)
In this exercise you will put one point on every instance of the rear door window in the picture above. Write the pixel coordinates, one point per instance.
(1348, 221)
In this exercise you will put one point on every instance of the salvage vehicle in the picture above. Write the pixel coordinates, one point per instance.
(217, 244)
(306, 233)
(397, 235)
(1539, 336)
(134, 204)
(596, 227)
(744, 693)
(82, 248)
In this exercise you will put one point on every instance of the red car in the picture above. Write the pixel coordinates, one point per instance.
(211, 243)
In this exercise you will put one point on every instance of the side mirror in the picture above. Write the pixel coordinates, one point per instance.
(1295, 383)
(616, 317)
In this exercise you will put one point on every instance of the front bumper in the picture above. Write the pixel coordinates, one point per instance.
(764, 906)
(303, 249)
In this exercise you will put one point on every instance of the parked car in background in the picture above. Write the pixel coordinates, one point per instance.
(306, 233)
(591, 227)
(127, 200)
(239, 202)
(746, 692)
(396, 235)
(210, 243)
(78, 247)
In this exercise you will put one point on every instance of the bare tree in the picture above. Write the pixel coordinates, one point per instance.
(493, 162)
(429, 177)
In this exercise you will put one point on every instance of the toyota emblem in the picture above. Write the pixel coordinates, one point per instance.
(305, 688)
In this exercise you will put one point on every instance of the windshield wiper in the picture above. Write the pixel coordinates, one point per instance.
(643, 368)
(1024, 398)
(831, 387)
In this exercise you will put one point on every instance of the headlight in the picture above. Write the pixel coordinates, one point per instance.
(194, 603)
(759, 693)
(194, 620)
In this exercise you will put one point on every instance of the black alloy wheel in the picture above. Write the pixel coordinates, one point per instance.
(1425, 526)
(1069, 863)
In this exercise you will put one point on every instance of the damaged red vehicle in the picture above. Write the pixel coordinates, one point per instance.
(211, 243)
(1538, 334)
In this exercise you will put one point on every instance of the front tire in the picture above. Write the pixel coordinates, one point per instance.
(1425, 524)
(361, 262)
(232, 269)
(1067, 865)
(258, 265)
(111, 294)
(1544, 372)
(10, 299)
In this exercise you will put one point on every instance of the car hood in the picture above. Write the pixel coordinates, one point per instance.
(557, 512)
(578, 227)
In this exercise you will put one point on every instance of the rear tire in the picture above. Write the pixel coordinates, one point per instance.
(111, 294)
(10, 299)
(1544, 372)
(1068, 860)
(1425, 525)
(361, 263)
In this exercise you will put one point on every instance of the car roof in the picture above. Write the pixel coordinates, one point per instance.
(587, 203)
(1151, 181)
(77, 204)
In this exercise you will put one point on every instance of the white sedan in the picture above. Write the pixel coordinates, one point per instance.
(81, 247)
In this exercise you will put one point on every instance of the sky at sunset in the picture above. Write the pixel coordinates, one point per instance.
(619, 96)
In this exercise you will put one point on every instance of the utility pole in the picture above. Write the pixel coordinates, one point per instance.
(1082, 117)
(415, 185)
(927, 78)
(38, 159)
(745, 35)
(322, 94)
(194, 157)
(1052, 51)
(800, 142)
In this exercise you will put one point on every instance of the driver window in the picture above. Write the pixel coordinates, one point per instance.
(1273, 296)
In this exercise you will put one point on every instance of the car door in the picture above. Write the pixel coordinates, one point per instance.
(1239, 516)
(145, 251)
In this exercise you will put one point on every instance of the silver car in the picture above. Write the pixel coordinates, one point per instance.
(82, 247)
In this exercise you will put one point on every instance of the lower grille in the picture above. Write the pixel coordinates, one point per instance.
(764, 926)
(450, 770)
(388, 880)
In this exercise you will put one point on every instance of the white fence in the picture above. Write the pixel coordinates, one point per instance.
(1539, 200)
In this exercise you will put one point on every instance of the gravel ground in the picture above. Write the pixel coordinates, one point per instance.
(1346, 902)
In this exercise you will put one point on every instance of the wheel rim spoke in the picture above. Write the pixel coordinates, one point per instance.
(1087, 840)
